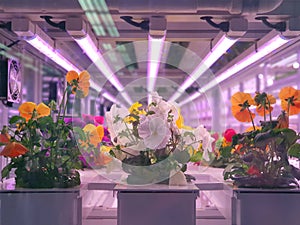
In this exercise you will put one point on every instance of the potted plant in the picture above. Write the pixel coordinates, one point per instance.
(153, 144)
(44, 157)
(265, 185)
(259, 157)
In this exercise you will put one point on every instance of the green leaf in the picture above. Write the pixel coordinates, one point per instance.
(16, 119)
(5, 171)
(196, 157)
(226, 152)
(290, 136)
(294, 150)
(46, 122)
(78, 131)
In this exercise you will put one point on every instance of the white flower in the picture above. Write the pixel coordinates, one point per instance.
(163, 107)
(116, 127)
(207, 140)
(201, 135)
(155, 131)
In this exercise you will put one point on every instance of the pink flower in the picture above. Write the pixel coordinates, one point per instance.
(229, 133)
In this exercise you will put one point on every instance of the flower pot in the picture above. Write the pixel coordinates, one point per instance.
(157, 204)
(40, 206)
(265, 206)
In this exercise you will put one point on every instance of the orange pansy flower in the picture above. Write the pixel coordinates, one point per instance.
(4, 138)
(14, 149)
(241, 114)
(71, 76)
(42, 110)
(260, 110)
(84, 83)
(26, 109)
(294, 108)
(241, 98)
(290, 100)
(80, 83)
(240, 104)
(288, 92)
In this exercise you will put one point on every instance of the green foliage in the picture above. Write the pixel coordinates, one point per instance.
(294, 150)
(262, 158)
(52, 157)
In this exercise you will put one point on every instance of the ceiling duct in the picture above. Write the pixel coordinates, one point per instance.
(44, 6)
(193, 6)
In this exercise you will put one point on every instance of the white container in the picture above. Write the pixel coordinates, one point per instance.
(266, 206)
(157, 204)
(40, 207)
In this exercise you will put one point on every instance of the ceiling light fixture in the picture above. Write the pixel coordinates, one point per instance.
(217, 51)
(156, 39)
(88, 46)
(267, 48)
(37, 38)
(41, 45)
(155, 50)
(33, 34)
(38, 43)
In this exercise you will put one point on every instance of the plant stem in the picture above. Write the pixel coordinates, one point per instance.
(269, 105)
(288, 111)
(130, 134)
(60, 105)
(251, 118)
(126, 152)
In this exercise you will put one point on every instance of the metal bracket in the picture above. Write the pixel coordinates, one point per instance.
(223, 26)
(280, 26)
(61, 25)
(6, 25)
(144, 25)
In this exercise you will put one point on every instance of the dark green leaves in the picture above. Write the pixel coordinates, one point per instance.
(16, 120)
(294, 150)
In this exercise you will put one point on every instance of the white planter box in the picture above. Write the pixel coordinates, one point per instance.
(157, 204)
(40, 207)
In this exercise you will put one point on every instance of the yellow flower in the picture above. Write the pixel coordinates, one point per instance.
(134, 108)
(180, 121)
(42, 110)
(251, 128)
(26, 109)
(96, 134)
(129, 119)
(105, 148)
